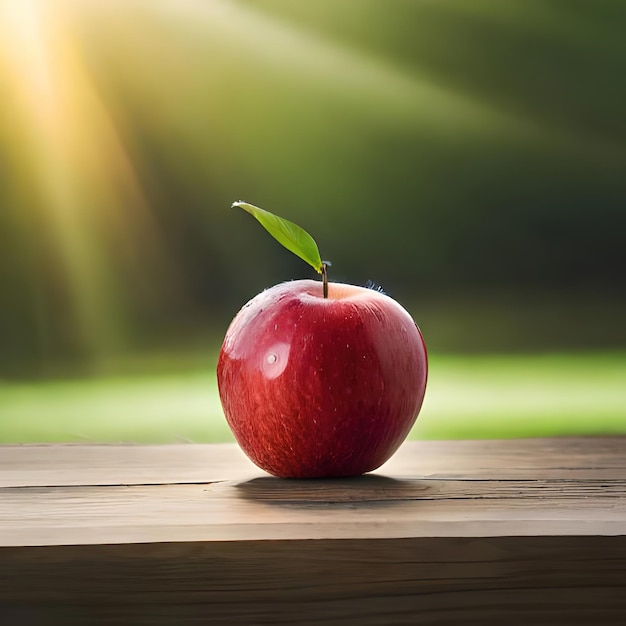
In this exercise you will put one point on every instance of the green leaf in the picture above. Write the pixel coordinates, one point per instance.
(290, 235)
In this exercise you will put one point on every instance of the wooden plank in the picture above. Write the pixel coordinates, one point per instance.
(58, 465)
(523, 580)
(474, 532)
(54, 465)
(271, 508)
(210, 501)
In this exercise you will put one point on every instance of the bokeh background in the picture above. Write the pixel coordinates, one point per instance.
(469, 157)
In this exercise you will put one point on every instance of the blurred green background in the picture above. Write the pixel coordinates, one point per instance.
(470, 157)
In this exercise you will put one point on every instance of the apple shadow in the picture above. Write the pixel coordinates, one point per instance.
(369, 490)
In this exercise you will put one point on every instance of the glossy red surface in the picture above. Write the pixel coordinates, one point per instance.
(316, 387)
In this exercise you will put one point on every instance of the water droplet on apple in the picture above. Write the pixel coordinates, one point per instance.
(275, 360)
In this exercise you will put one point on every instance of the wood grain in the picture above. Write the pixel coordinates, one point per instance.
(58, 465)
(473, 532)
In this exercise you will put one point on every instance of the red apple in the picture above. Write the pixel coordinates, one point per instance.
(321, 387)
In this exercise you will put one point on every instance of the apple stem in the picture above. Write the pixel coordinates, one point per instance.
(325, 280)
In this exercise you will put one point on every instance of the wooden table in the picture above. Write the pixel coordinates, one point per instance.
(472, 532)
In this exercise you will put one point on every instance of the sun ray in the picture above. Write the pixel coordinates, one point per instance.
(86, 198)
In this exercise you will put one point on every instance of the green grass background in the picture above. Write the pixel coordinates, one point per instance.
(467, 397)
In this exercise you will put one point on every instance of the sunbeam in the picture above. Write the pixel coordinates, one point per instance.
(86, 210)
(430, 145)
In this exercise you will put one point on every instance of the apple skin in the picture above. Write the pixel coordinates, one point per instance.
(321, 387)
